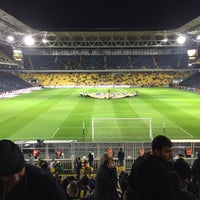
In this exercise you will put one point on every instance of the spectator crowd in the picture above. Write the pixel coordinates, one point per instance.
(154, 175)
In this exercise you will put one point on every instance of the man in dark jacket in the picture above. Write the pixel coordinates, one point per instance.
(153, 179)
(90, 159)
(19, 180)
(196, 175)
(121, 156)
(106, 181)
(183, 168)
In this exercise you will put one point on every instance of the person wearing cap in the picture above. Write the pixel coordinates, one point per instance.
(20, 180)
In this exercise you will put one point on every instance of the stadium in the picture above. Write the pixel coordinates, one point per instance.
(88, 91)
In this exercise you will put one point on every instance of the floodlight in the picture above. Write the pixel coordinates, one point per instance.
(44, 41)
(28, 40)
(165, 40)
(181, 39)
(198, 37)
(10, 38)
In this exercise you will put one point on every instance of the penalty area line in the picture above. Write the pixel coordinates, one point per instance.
(185, 131)
(55, 132)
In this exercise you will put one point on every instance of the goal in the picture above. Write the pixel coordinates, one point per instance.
(121, 129)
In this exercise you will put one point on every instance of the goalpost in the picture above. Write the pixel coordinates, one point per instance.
(121, 129)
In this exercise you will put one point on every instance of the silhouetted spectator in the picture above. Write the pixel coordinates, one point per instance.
(152, 175)
(72, 190)
(84, 188)
(44, 165)
(185, 172)
(121, 156)
(196, 175)
(19, 180)
(179, 189)
(90, 159)
(78, 167)
(66, 181)
(106, 181)
(131, 188)
(183, 168)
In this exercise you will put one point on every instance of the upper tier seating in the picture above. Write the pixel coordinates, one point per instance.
(105, 62)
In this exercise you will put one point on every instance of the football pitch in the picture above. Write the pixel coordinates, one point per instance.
(63, 114)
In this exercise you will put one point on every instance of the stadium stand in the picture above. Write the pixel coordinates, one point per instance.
(92, 62)
(171, 61)
(192, 81)
(140, 79)
(9, 82)
(87, 65)
(104, 62)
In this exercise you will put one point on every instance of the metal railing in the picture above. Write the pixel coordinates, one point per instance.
(73, 150)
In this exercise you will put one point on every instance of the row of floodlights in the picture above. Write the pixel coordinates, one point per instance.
(29, 40)
(181, 39)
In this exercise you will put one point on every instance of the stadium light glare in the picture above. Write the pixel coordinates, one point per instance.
(28, 40)
(181, 39)
(198, 37)
(165, 40)
(44, 41)
(10, 38)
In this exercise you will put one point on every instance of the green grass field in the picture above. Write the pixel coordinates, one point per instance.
(59, 114)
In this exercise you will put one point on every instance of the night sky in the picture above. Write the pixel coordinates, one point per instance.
(67, 15)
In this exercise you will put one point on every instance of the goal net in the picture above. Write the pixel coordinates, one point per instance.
(121, 129)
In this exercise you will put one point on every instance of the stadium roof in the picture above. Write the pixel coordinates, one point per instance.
(102, 38)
